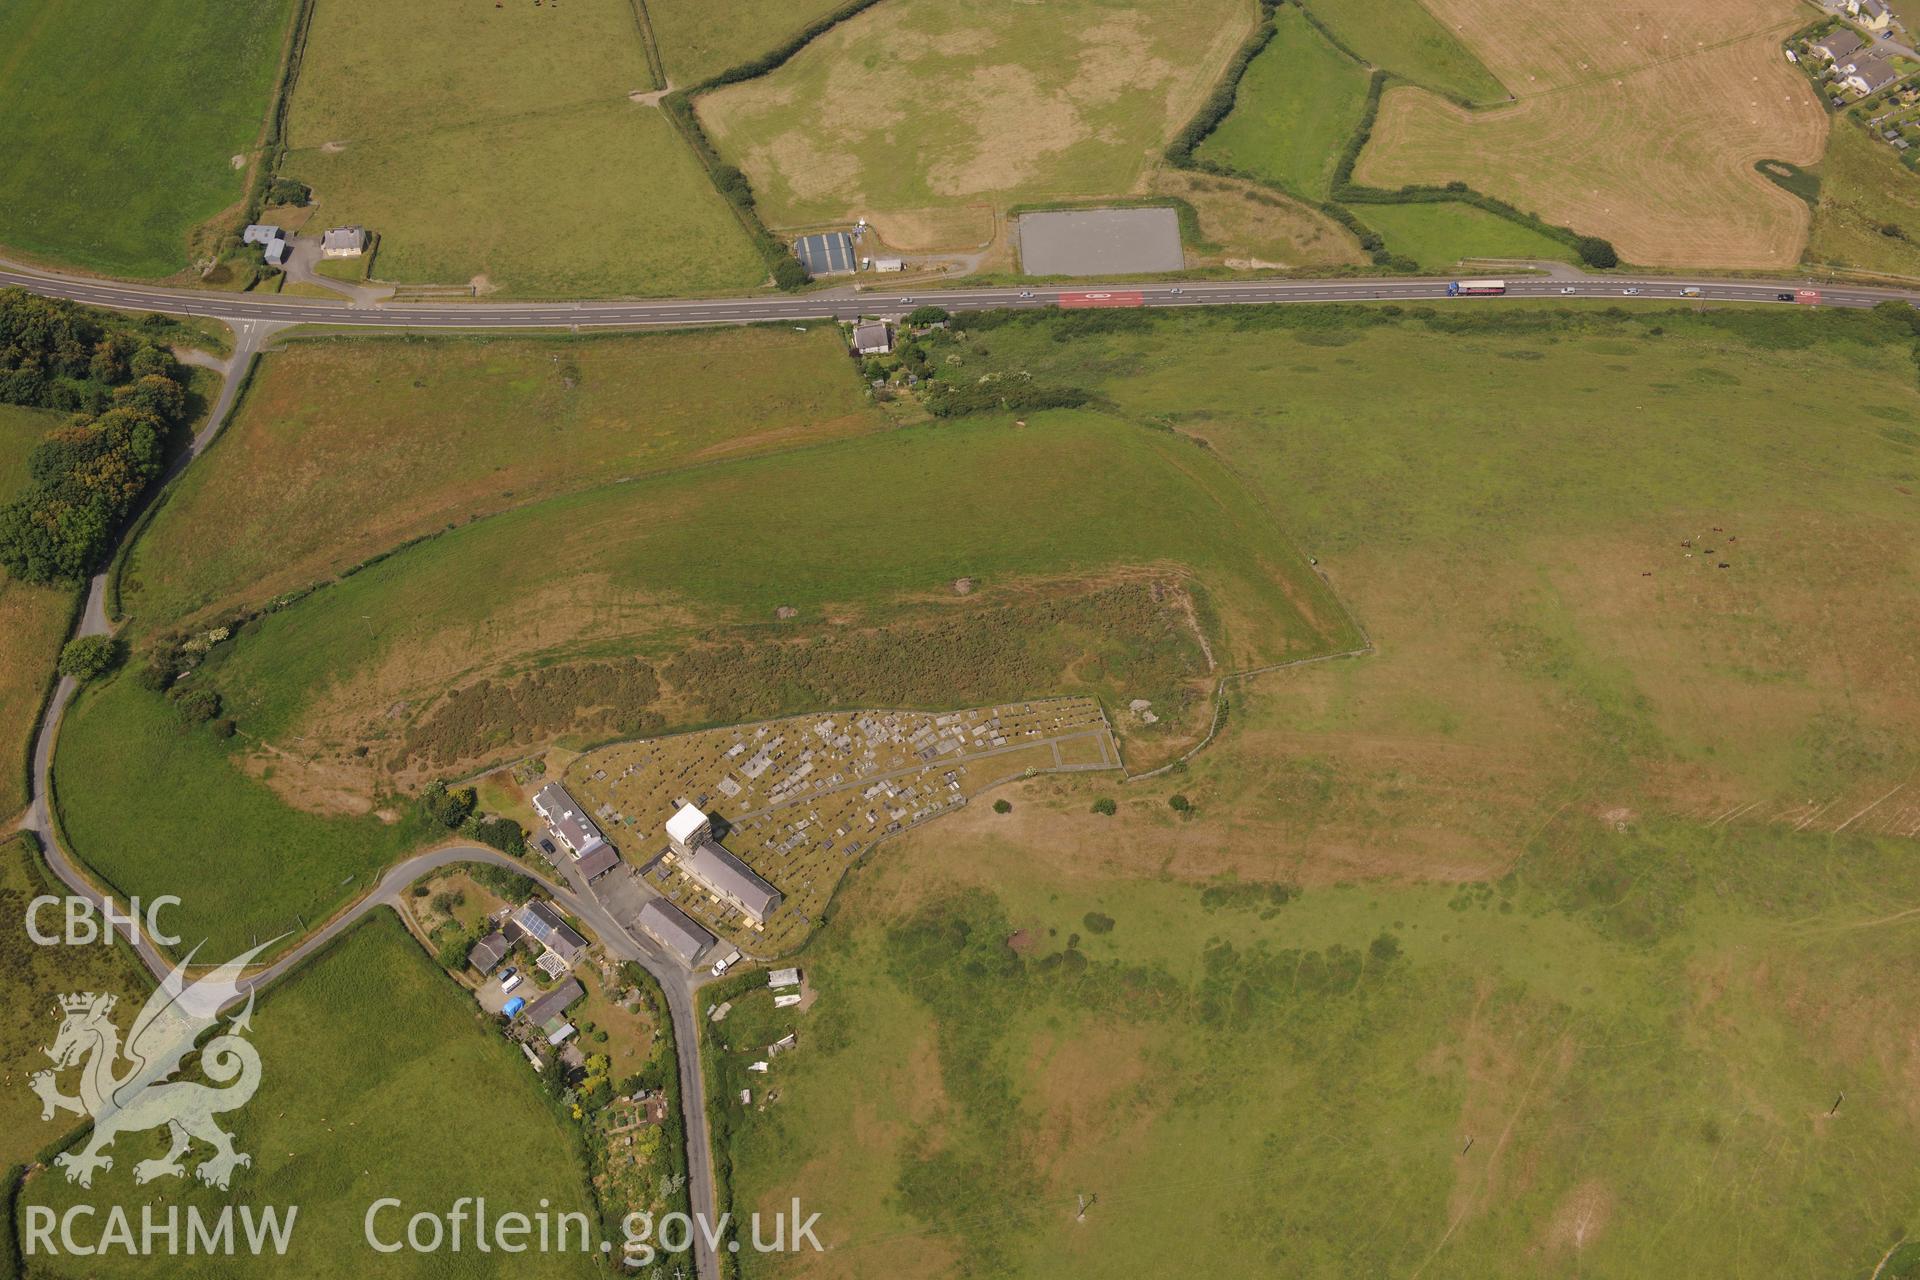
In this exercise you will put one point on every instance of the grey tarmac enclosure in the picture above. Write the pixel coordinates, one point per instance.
(1097, 242)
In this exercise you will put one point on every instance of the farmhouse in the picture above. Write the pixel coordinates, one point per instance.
(539, 921)
(344, 242)
(260, 234)
(669, 926)
(1839, 46)
(574, 829)
(690, 834)
(488, 952)
(874, 338)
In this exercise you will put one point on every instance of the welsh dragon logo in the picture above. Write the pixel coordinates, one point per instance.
(137, 1095)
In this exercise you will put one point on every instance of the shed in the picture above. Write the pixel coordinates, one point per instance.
(597, 861)
(780, 978)
(261, 234)
(889, 264)
(554, 1003)
(277, 252)
(488, 952)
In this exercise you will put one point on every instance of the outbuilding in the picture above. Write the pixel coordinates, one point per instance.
(488, 952)
(673, 929)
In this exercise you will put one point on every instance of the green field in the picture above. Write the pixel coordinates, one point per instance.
(505, 146)
(1640, 1013)
(413, 434)
(33, 619)
(1297, 105)
(40, 976)
(1439, 234)
(89, 178)
(875, 528)
(1863, 190)
(1401, 36)
(372, 1065)
(1264, 1090)
(1545, 469)
(153, 806)
(1036, 102)
(699, 40)
(886, 520)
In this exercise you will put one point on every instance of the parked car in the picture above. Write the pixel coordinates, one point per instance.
(509, 980)
(514, 1006)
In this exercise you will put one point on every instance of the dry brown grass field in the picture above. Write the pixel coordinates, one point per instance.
(409, 436)
(1638, 124)
(1255, 226)
(923, 104)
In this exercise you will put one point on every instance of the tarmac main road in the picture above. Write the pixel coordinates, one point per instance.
(847, 304)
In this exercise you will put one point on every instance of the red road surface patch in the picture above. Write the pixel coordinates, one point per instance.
(1123, 298)
(1810, 297)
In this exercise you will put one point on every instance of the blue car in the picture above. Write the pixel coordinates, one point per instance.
(514, 1006)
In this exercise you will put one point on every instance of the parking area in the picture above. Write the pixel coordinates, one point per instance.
(1100, 242)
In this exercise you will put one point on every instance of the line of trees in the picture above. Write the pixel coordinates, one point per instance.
(126, 395)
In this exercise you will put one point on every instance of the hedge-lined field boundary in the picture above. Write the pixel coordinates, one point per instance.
(1181, 154)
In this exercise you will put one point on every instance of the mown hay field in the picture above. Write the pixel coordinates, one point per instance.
(371, 1060)
(33, 619)
(410, 435)
(1408, 39)
(503, 146)
(1638, 126)
(123, 124)
(1297, 105)
(698, 40)
(921, 104)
